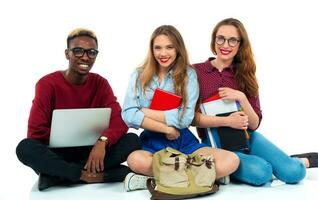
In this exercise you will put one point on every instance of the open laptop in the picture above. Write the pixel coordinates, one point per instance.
(78, 127)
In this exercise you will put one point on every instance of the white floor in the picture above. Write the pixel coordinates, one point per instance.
(307, 189)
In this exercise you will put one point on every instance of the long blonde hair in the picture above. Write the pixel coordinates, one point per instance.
(243, 61)
(150, 66)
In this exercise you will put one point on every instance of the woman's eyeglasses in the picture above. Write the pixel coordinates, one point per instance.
(232, 41)
(79, 52)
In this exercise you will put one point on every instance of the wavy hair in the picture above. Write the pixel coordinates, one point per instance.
(150, 66)
(245, 67)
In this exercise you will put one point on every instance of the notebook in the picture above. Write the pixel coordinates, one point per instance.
(224, 137)
(215, 105)
(163, 100)
(230, 138)
(78, 127)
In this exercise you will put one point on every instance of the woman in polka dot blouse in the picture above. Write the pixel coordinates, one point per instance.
(231, 75)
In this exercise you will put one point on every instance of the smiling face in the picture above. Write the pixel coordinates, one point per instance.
(227, 51)
(164, 51)
(80, 66)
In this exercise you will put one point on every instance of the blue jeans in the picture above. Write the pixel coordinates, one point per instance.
(265, 159)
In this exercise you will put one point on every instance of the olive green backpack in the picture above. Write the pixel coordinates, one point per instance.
(180, 176)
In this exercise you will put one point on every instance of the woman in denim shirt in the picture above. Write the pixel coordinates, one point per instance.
(166, 67)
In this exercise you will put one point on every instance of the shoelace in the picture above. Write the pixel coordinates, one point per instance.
(138, 182)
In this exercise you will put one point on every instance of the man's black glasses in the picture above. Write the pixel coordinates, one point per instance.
(79, 52)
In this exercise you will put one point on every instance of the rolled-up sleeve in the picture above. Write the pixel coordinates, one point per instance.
(173, 117)
(131, 113)
(255, 103)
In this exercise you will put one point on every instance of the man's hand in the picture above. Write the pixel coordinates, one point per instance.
(95, 162)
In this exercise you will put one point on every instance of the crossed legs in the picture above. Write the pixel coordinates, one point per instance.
(226, 162)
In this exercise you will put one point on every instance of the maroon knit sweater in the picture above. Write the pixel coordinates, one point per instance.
(53, 91)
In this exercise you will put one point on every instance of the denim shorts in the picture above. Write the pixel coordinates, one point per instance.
(155, 141)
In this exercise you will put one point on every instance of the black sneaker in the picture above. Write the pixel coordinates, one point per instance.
(46, 181)
(312, 158)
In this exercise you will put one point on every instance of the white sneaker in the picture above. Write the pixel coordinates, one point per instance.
(224, 180)
(135, 182)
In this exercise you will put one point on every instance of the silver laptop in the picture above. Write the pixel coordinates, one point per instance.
(78, 127)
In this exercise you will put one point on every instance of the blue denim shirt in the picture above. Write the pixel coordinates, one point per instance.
(136, 99)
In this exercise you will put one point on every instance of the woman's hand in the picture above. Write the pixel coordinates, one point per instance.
(230, 94)
(238, 120)
(157, 115)
(172, 133)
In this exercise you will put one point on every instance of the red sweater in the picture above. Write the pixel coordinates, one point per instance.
(53, 91)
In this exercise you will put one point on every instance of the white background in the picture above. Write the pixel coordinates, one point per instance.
(33, 34)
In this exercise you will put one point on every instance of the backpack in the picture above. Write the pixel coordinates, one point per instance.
(180, 176)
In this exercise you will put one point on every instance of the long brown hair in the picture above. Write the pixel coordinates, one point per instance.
(243, 61)
(150, 66)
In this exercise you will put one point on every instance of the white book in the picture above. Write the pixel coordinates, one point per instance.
(215, 105)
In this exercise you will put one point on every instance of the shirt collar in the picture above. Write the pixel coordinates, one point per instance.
(210, 68)
(169, 74)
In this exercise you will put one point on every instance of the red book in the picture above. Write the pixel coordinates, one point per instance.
(163, 100)
(212, 98)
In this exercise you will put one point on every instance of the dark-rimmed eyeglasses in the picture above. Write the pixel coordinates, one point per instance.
(79, 52)
(232, 41)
